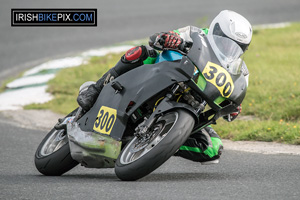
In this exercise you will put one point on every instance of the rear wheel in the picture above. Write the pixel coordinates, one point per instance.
(140, 157)
(52, 157)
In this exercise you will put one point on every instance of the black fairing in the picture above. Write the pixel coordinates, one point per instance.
(142, 83)
(202, 53)
(139, 85)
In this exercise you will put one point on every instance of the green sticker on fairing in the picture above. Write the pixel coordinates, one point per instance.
(219, 100)
(201, 83)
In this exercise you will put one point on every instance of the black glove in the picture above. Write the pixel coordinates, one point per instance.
(167, 40)
(171, 40)
(88, 97)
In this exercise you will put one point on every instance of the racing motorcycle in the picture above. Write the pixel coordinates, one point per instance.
(142, 117)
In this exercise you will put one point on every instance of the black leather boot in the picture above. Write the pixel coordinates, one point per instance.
(88, 97)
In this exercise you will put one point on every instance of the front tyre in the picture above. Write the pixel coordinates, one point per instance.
(52, 157)
(139, 158)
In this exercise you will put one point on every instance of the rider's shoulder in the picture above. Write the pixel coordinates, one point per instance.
(185, 32)
(188, 30)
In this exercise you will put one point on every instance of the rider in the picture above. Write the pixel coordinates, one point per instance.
(205, 146)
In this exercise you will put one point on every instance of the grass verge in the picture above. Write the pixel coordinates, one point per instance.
(65, 86)
(273, 95)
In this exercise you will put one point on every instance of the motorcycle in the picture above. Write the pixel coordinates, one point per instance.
(142, 117)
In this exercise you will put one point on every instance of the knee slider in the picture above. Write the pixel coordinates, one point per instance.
(135, 54)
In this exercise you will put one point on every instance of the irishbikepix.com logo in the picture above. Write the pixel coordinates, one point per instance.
(53, 17)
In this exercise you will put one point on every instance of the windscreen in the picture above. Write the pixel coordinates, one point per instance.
(228, 53)
(226, 50)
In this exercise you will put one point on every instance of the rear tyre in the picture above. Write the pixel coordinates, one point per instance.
(138, 159)
(52, 157)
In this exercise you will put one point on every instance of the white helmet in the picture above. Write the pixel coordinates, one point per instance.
(234, 26)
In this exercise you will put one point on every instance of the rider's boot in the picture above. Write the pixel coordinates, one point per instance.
(204, 146)
(87, 98)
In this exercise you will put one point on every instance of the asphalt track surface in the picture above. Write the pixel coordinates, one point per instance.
(240, 175)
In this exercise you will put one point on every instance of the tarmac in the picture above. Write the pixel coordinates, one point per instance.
(46, 119)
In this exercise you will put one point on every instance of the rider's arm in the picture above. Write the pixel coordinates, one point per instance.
(169, 40)
(178, 39)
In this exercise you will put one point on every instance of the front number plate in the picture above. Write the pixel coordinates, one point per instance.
(219, 77)
(106, 119)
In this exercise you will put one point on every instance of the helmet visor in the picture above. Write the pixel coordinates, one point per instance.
(218, 31)
(228, 53)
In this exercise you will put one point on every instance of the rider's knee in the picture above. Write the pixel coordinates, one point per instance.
(139, 54)
(135, 57)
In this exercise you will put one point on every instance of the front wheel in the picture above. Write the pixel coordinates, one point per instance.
(140, 157)
(52, 157)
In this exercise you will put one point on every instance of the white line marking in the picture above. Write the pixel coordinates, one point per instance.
(15, 100)
(30, 80)
(105, 51)
(56, 64)
(272, 26)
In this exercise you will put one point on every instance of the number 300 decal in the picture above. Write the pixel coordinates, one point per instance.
(106, 119)
(219, 77)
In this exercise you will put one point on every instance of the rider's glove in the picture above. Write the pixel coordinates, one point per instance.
(167, 40)
(233, 115)
(171, 40)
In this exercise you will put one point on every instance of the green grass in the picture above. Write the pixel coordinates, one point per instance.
(274, 64)
(273, 96)
(273, 60)
(260, 130)
(65, 86)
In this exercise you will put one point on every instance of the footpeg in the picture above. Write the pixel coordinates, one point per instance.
(117, 86)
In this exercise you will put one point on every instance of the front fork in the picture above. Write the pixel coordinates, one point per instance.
(142, 129)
